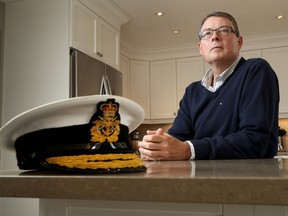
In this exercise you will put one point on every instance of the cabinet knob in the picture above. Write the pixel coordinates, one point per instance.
(99, 54)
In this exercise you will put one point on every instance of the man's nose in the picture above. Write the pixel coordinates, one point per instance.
(215, 35)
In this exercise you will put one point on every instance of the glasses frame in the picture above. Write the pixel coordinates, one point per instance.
(218, 32)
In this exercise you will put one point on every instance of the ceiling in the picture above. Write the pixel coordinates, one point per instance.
(147, 31)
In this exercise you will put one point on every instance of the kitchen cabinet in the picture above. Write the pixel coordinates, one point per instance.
(82, 29)
(188, 70)
(169, 78)
(107, 43)
(139, 84)
(163, 89)
(277, 57)
(251, 54)
(93, 35)
(160, 87)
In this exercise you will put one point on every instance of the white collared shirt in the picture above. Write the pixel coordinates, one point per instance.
(219, 80)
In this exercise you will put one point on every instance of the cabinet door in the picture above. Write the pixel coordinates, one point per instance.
(251, 54)
(163, 89)
(277, 57)
(107, 43)
(82, 29)
(188, 70)
(94, 36)
(139, 84)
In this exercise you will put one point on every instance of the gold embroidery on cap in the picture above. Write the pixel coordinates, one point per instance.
(98, 161)
(107, 127)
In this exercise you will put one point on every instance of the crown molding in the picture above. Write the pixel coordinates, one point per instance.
(266, 41)
(189, 50)
(158, 54)
(107, 10)
(9, 1)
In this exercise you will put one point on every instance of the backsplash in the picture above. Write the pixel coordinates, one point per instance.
(283, 123)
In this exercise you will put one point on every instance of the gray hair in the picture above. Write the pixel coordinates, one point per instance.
(222, 14)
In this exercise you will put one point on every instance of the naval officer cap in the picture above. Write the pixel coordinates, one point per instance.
(84, 134)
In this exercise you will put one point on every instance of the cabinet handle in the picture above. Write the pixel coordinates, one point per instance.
(99, 54)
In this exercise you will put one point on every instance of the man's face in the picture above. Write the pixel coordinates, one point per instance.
(223, 49)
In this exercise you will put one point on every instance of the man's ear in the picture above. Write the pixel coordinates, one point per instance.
(200, 48)
(240, 42)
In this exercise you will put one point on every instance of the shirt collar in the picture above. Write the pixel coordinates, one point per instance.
(220, 79)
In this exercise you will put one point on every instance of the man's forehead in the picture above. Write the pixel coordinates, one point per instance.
(216, 22)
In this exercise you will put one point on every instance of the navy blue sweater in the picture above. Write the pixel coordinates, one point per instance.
(239, 120)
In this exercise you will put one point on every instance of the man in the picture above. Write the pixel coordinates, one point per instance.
(231, 114)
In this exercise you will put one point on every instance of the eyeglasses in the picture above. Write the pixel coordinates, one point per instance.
(222, 31)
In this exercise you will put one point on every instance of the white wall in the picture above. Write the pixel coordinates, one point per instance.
(2, 22)
(36, 62)
(36, 71)
(36, 58)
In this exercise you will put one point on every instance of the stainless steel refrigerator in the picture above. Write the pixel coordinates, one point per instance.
(89, 76)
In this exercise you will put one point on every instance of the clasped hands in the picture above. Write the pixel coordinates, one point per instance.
(157, 145)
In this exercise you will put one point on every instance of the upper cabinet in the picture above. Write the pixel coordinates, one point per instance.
(251, 54)
(158, 86)
(93, 35)
(277, 57)
(189, 70)
(163, 89)
(107, 43)
(139, 84)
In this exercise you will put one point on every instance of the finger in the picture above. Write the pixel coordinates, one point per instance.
(148, 152)
(159, 131)
(153, 138)
(151, 132)
(149, 158)
(149, 146)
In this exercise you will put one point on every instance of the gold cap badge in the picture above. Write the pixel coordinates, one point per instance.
(106, 123)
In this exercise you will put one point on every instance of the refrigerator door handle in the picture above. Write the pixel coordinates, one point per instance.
(108, 86)
(105, 88)
(102, 86)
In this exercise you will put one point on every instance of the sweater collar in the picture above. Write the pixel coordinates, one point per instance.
(218, 81)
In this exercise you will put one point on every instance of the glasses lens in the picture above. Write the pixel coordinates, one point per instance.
(223, 31)
(206, 34)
